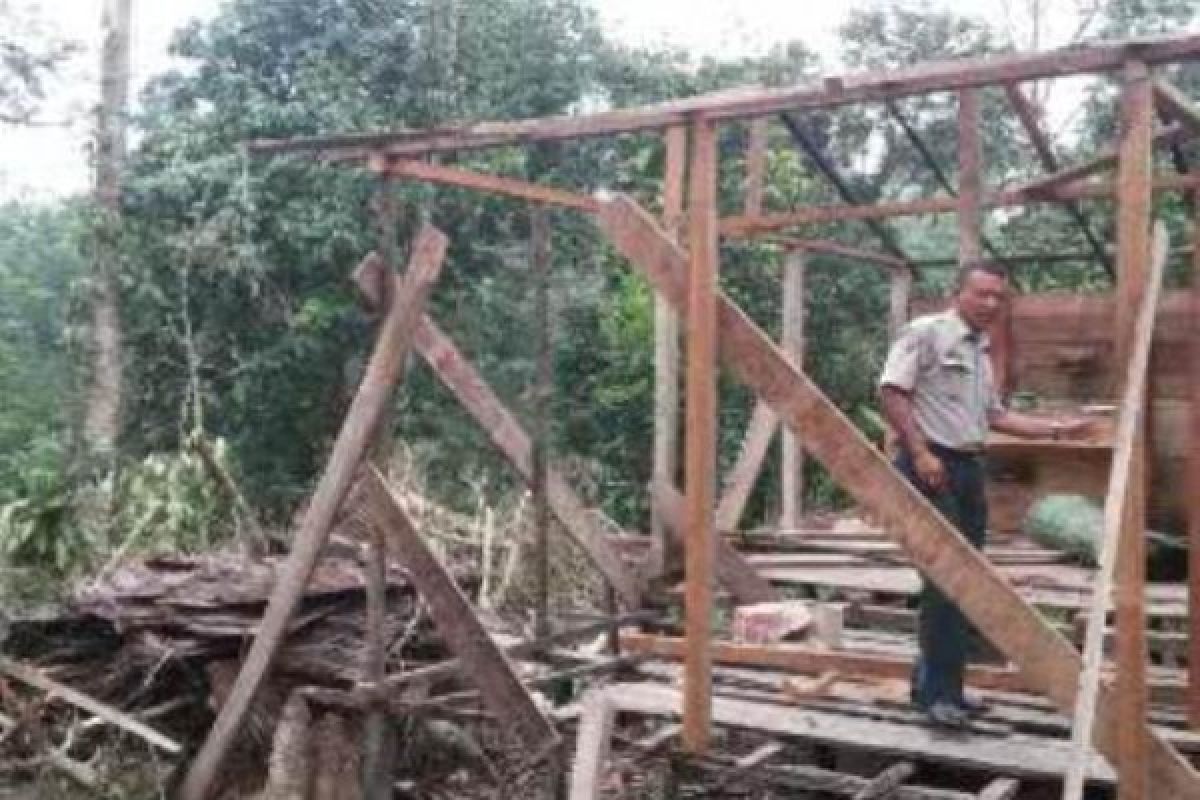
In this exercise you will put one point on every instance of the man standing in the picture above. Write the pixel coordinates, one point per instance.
(940, 398)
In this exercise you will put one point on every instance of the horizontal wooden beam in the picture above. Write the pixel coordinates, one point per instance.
(494, 184)
(832, 248)
(753, 101)
(741, 226)
(1046, 659)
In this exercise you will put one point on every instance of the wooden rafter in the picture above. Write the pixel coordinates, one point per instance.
(827, 247)
(1177, 105)
(1047, 660)
(770, 223)
(479, 181)
(756, 101)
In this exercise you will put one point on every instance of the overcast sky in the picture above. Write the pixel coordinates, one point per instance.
(51, 160)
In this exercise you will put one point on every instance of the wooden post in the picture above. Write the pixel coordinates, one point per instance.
(756, 165)
(592, 746)
(539, 245)
(666, 354)
(1134, 209)
(970, 156)
(357, 432)
(701, 431)
(901, 293)
(739, 483)
(1123, 493)
(793, 345)
(1193, 493)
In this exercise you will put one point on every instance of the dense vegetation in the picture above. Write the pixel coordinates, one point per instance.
(240, 327)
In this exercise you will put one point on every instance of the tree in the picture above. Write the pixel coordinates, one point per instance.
(29, 56)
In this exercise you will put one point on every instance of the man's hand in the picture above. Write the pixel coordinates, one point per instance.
(1072, 427)
(930, 470)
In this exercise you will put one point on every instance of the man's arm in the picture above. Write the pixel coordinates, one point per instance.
(1033, 426)
(898, 411)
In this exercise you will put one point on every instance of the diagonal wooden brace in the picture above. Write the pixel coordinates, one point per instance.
(356, 434)
(1047, 660)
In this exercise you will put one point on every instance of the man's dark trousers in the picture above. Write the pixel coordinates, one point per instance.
(943, 633)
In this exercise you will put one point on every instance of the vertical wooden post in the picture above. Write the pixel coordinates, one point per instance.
(539, 256)
(901, 292)
(793, 345)
(1134, 208)
(666, 352)
(1193, 492)
(377, 775)
(701, 433)
(969, 180)
(756, 165)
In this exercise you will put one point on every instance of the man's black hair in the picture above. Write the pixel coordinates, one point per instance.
(990, 267)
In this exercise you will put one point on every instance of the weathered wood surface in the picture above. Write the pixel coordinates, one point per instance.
(792, 464)
(1047, 660)
(742, 102)
(1014, 754)
(850, 252)
(742, 477)
(477, 398)
(756, 165)
(1192, 492)
(970, 179)
(700, 433)
(383, 370)
(481, 659)
(1118, 521)
(1177, 105)
(592, 745)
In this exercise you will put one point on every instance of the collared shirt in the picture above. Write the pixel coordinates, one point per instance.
(945, 366)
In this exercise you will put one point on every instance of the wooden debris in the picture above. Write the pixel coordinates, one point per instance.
(289, 771)
(800, 692)
(111, 715)
(885, 783)
(337, 758)
(592, 746)
(1000, 789)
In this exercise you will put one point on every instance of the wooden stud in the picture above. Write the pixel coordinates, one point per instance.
(666, 354)
(592, 746)
(478, 181)
(756, 165)
(700, 447)
(1119, 522)
(1047, 659)
(539, 255)
(970, 180)
(1134, 210)
(898, 300)
(477, 399)
(793, 345)
(481, 659)
(358, 429)
(1193, 493)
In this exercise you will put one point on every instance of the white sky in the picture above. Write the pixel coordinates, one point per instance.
(51, 160)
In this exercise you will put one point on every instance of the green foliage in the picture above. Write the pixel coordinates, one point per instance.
(30, 53)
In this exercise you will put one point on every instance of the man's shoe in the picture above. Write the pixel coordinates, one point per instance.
(973, 706)
(947, 715)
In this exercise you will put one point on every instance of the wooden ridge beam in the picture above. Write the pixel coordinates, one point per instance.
(742, 227)
(752, 101)
(479, 181)
(358, 431)
(1028, 116)
(478, 399)
(1046, 659)
(1130, 422)
(482, 661)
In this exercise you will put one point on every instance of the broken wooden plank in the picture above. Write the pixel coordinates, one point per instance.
(494, 184)
(113, 716)
(1046, 659)
(700, 433)
(482, 661)
(383, 370)
(1000, 789)
(592, 745)
(477, 398)
(887, 782)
